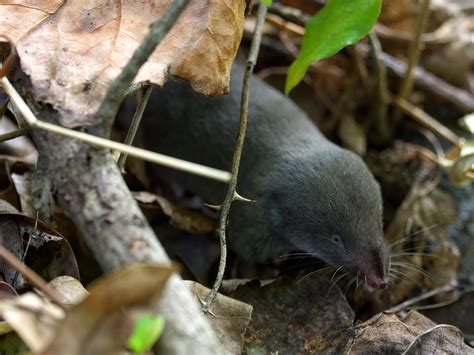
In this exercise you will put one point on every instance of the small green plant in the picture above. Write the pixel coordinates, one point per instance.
(267, 2)
(146, 331)
(339, 24)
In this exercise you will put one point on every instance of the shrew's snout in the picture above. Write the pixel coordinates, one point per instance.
(374, 269)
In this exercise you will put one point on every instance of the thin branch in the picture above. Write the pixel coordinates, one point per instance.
(406, 86)
(425, 119)
(137, 117)
(410, 302)
(14, 134)
(231, 194)
(158, 30)
(29, 274)
(152, 157)
(380, 108)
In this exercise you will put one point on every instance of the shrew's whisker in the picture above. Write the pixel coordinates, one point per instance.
(315, 272)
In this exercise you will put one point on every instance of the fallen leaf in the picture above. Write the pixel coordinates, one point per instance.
(68, 289)
(412, 334)
(22, 183)
(296, 316)
(41, 247)
(228, 317)
(182, 218)
(99, 324)
(33, 318)
(441, 339)
(72, 50)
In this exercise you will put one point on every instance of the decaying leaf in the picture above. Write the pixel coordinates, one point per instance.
(98, 324)
(22, 183)
(228, 317)
(296, 316)
(182, 218)
(68, 289)
(412, 334)
(41, 247)
(71, 50)
(459, 164)
(33, 318)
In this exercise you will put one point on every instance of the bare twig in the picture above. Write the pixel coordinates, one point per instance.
(410, 302)
(231, 194)
(158, 30)
(152, 157)
(14, 134)
(425, 119)
(380, 108)
(29, 274)
(137, 117)
(406, 86)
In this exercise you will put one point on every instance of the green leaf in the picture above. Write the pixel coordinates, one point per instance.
(339, 24)
(266, 2)
(146, 331)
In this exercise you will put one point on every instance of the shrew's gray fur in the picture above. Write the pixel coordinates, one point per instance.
(311, 194)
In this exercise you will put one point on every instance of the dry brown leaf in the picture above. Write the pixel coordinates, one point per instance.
(69, 290)
(459, 163)
(42, 248)
(228, 317)
(33, 318)
(412, 334)
(441, 339)
(71, 50)
(22, 183)
(99, 325)
(182, 218)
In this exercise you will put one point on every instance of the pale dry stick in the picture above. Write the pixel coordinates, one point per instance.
(231, 194)
(137, 117)
(29, 274)
(115, 94)
(380, 108)
(425, 119)
(407, 84)
(152, 157)
(408, 303)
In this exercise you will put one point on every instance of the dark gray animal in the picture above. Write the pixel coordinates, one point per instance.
(311, 195)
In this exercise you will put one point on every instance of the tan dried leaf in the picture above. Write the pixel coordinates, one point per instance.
(228, 317)
(100, 322)
(412, 334)
(72, 50)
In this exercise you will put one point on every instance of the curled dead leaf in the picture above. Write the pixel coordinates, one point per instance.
(100, 323)
(228, 317)
(72, 50)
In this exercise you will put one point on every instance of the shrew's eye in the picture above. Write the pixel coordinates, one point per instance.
(336, 239)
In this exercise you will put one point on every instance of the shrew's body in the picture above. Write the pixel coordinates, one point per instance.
(311, 194)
